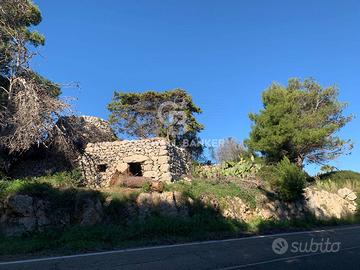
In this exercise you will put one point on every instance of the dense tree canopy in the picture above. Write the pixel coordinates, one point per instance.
(299, 122)
(168, 114)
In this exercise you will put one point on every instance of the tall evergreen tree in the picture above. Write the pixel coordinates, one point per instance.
(300, 122)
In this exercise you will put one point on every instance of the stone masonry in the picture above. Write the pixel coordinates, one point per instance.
(155, 158)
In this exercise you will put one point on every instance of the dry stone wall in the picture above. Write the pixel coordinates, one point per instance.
(155, 158)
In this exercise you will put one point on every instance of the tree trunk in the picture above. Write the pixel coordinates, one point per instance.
(299, 162)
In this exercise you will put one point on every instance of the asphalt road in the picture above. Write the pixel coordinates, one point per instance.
(335, 248)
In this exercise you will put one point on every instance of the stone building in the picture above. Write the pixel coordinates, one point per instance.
(155, 158)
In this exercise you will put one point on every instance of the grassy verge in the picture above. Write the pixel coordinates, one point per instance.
(198, 188)
(43, 185)
(154, 230)
(204, 223)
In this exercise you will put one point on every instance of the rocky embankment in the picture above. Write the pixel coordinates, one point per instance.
(24, 213)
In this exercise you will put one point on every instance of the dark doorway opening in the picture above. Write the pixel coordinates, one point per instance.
(135, 169)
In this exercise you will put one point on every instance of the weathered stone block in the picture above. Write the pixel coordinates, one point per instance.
(150, 174)
(135, 158)
(122, 167)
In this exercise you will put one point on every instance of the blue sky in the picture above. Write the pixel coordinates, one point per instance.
(224, 53)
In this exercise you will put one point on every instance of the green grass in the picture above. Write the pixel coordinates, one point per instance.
(152, 231)
(203, 224)
(39, 185)
(58, 189)
(198, 188)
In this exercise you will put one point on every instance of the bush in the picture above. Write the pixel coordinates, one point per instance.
(268, 173)
(289, 181)
(333, 181)
(240, 169)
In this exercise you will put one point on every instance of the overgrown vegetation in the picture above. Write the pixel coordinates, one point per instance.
(299, 121)
(215, 188)
(203, 224)
(288, 181)
(333, 181)
(40, 185)
(152, 231)
(244, 168)
(297, 125)
(156, 230)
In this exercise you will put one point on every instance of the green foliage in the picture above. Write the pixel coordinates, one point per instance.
(268, 173)
(18, 20)
(244, 168)
(168, 114)
(241, 169)
(289, 181)
(341, 176)
(146, 187)
(299, 122)
(198, 188)
(327, 169)
(154, 230)
(333, 181)
(42, 186)
(18, 17)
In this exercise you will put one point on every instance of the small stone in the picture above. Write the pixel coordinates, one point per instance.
(122, 167)
(165, 167)
(21, 204)
(166, 177)
(163, 153)
(135, 158)
(149, 174)
(163, 160)
(148, 167)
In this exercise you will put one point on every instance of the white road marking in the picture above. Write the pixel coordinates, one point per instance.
(176, 245)
(281, 259)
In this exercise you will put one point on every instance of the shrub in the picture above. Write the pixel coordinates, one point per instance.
(215, 189)
(289, 181)
(146, 187)
(268, 173)
(333, 181)
(241, 169)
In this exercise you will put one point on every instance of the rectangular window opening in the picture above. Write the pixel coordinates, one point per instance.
(135, 169)
(102, 167)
